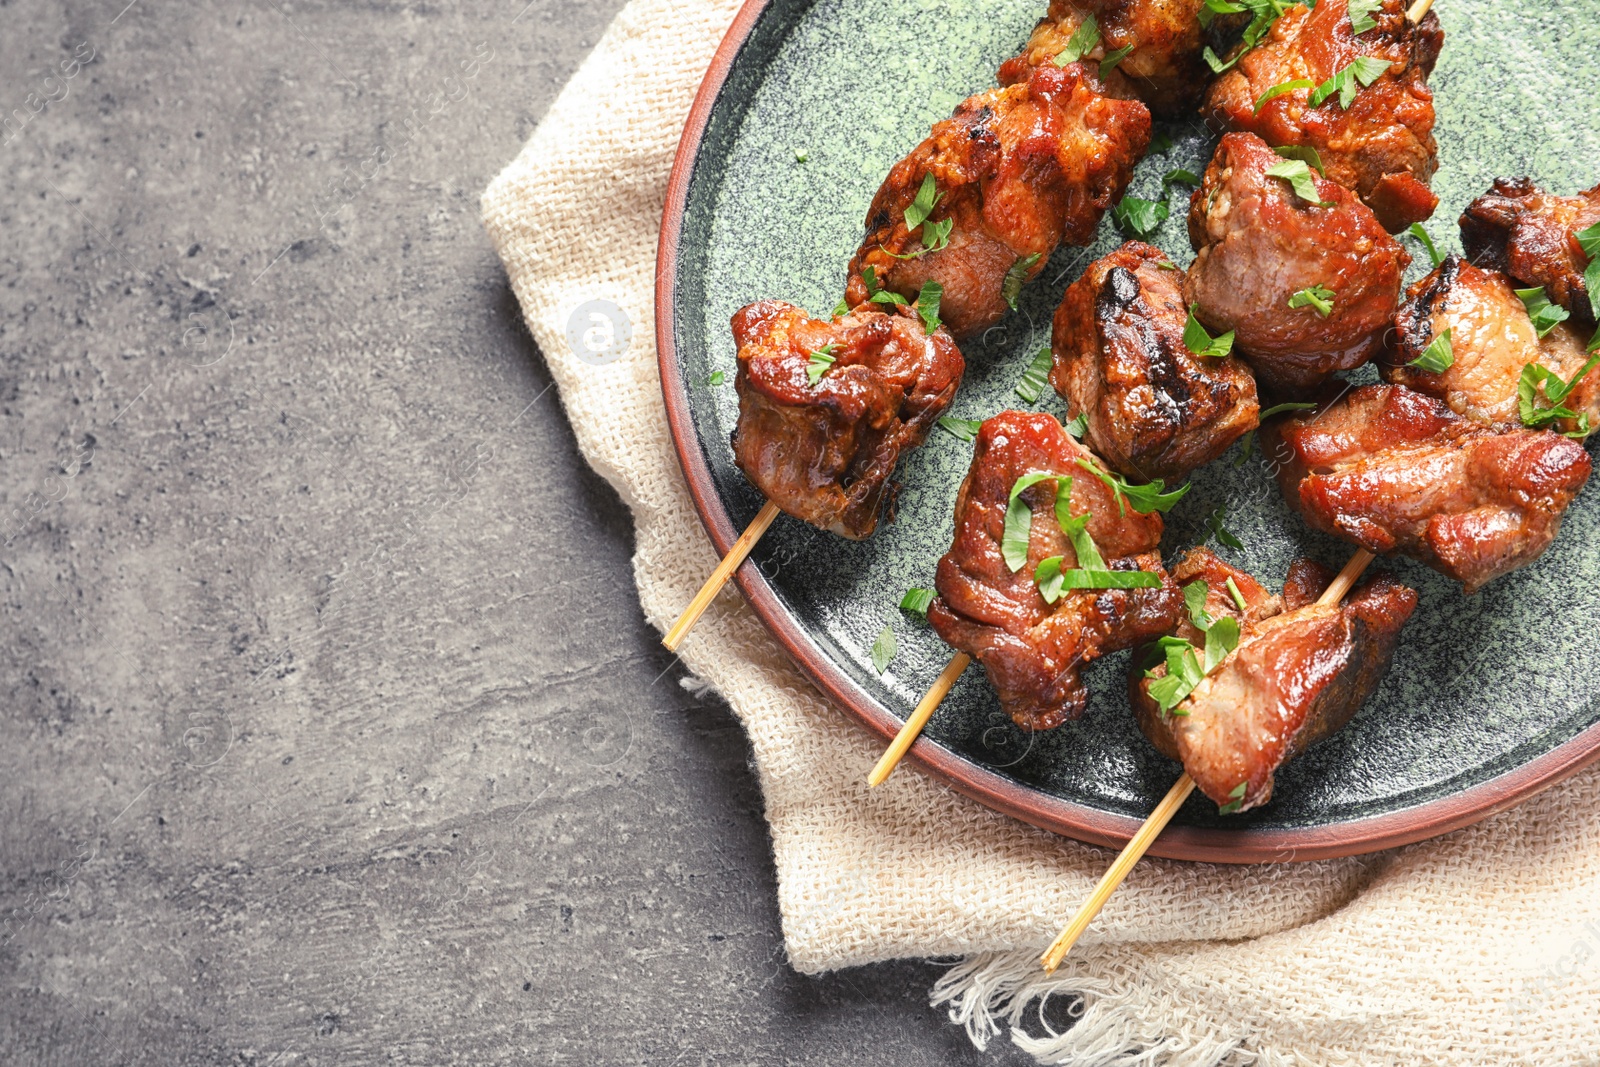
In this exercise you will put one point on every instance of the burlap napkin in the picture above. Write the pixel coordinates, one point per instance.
(1480, 947)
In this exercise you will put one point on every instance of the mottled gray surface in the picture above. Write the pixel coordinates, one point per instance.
(332, 731)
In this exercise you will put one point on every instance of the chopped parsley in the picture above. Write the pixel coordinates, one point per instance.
(1185, 668)
(960, 429)
(1078, 426)
(1536, 377)
(818, 363)
(1297, 172)
(1363, 69)
(883, 649)
(1589, 241)
(922, 206)
(1361, 19)
(1315, 296)
(1238, 597)
(1220, 532)
(1083, 41)
(1161, 141)
(1264, 14)
(1543, 314)
(1235, 799)
(1438, 356)
(1201, 343)
(1091, 571)
(799, 155)
(1011, 287)
(1304, 153)
(875, 292)
(1279, 409)
(1019, 522)
(928, 304)
(842, 308)
(1138, 216)
(1281, 88)
(1416, 230)
(916, 601)
(1033, 379)
(1144, 498)
(1109, 63)
(1179, 176)
(716, 379)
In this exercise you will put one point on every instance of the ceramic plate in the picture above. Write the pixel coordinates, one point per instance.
(1490, 698)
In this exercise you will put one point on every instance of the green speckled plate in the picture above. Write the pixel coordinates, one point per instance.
(1490, 698)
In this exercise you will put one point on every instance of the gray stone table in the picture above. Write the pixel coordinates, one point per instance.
(332, 732)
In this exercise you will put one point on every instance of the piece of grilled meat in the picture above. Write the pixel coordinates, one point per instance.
(1393, 470)
(1033, 650)
(1382, 146)
(1491, 340)
(1164, 68)
(1019, 170)
(1154, 409)
(1258, 243)
(823, 451)
(1520, 229)
(1300, 673)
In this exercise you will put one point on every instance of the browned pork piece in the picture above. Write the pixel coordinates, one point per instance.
(1154, 408)
(1381, 145)
(1392, 470)
(1491, 340)
(1166, 39)
(1309, 288)
(1015, 172)
(1033, 649)
(1300, 672)
(1518, 228)
(826, 408)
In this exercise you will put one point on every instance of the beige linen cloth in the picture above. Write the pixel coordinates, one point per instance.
(1482, 947)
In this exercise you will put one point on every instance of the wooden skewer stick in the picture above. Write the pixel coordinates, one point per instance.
(719, 577)
(1415, 12)
(1141, 841)
(919, 718)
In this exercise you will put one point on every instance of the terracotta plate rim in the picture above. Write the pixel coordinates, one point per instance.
(1207, 844)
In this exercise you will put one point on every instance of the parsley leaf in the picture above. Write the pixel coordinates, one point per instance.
(1543, 314)
(818, 362)
(922, 206)
(1416, 230)
(1019, 522)
(1238, 597)
(1363, 69)
(883, 650)
(799, 155)
(1220, 532)
(1265, 13)
(716, 379)
(1535, 376)
(1589, 241)
(1246, 443)
(1078, 426)
(875, 292)
(928, 304)
(917, 600)
(1033, 379)
(1279, 409)
(1011, 287)
(1178, 176)
(1304, 153)
(1144, 498)
(1082, 41)
(1185, 670)
(1053, 581)
(1298, 174)
(1160, 141)
(1109, 63)
(884, 296)
(842, 308)
(1201, 343)
(1361, 19)
(1194, 598)
(1138, 216)
(960, 429)
(1236, 794)
(1314, 297)
(1438, 356)
(1281, 88)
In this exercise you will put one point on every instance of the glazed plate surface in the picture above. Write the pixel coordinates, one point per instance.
(1490, 698)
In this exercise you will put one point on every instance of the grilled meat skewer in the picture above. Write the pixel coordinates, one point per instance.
(1531, 235)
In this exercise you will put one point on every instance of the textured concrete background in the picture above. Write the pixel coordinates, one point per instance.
(332, 732)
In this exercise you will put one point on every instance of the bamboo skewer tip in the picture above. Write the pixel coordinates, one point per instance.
(719, 577)
(918, 719)
(1415, 13)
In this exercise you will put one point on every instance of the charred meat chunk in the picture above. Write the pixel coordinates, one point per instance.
(1382, 145)
(1033, 650)
(1520, 229)
(1016, 171)
(1154, 409)
(1393, 470)
(1491, 341)
(1299, 674)
(1259, 242)
(822, 446)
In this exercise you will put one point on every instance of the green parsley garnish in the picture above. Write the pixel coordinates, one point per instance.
(928, 304)
(1361, 19)
(1078, 426)
(1091, 571)
(1536, 376)
(1082, 41)
(1416, 230)
(1589, 241)
(716, 379)
(960, 429)
(842, 308)
(885, 296)
(1246, 443)
(818, 362)
(1298, 174)
(1304, 153)
(1281, 88)
(1185, 669)
(1221, 532)
(922, 206)
(1144, 498)
(1438, 356)
(799, 155)
(1236, 801)
(1011, 287)
(883, 649)
(1019, 522)
(1033, 379)
(1314, 297)
(1279, 409)
(1201, 343)
(1363, 69)
(1265, 13)
(1178, 176)
(1543, 314)
(1109, 63)
(1139, 217)
(1238, 597)
(917, 600)
(1160, 141)
(876, 293)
